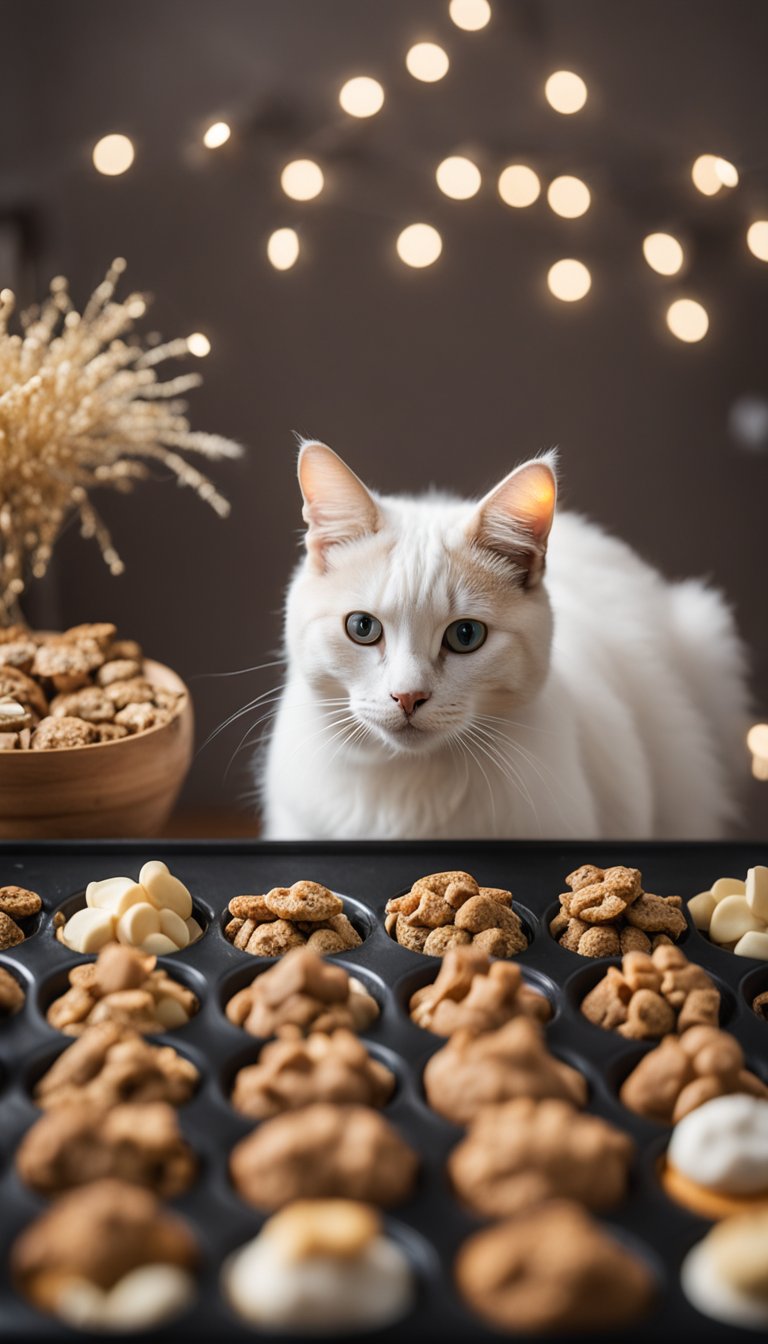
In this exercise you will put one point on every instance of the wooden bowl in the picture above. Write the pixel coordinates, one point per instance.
(120, 788)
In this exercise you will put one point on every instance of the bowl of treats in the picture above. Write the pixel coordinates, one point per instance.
(95, 739)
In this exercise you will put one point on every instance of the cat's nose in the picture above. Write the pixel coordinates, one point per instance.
(409, 701)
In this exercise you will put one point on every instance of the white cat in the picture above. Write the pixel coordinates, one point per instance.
(439, 684)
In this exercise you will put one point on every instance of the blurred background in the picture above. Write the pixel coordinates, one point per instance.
(446, 354)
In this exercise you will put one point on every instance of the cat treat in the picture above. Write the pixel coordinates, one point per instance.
(552, 1269)
(472, 1072)
(450, 909)
(684, 1072)
(110, 1064)
(305, 914)
(75, 1144)
(123, 986)
(717, 1160)
(107, 1257)
(725, 1276)
(522, 1152)
(607, 913)
(11, 994)
(475, 992)
(301, 994)
(321, 1265)
(17, 905)
(734, 913)
(324, 1151)
(650, 996)
(75, 689)
(291, 1073)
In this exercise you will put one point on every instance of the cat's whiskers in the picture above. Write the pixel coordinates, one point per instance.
(465, 745)
(272, 712)
(554, 786)
(503, 765)
(239, 671)
(273, 693)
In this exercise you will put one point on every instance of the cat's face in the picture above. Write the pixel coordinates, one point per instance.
(414, 616)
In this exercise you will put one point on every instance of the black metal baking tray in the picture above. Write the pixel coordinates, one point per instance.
(432, 1225)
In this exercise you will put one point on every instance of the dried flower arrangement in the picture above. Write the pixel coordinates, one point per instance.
(81, 406)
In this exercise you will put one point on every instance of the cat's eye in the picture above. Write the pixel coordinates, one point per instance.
(363, 628)
(465, 636)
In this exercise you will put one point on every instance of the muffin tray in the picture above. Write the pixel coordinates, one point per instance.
(431, 1225)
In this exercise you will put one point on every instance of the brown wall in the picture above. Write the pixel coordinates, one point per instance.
(449, 375)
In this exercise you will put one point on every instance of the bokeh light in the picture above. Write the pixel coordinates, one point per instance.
(113, 155)
(519, 185)
(569, 280)
(217, 134)
(566, 92)
(302, 179)
(568, 197)
(757, 239)
(427, 62)
(663, 253)
(283, 249)
(419, 245)
(361, 96)
(710, 174)
(471, 15)
(458, 178)
(198, 344)
(688, 320)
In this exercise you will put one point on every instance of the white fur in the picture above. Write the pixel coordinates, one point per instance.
(619, 699)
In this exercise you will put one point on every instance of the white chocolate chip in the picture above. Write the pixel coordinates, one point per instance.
(158, 944)
(148, 1295)
(727, 886)
(753, 944)
(757, 892)
(174, 927)
(170, 1013)
(701, 909)
(731, 919)
(136, 925)
(194, 929)
(115, 894)
(88, 930)
(164, 889)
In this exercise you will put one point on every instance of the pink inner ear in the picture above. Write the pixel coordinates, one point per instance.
(515, 518)
(337, 506)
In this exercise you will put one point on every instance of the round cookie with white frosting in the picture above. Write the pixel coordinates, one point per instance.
(717, 1160)
(321, 1265)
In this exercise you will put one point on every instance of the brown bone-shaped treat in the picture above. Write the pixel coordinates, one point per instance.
(607, 899)
(649, 1017)
(657, 914)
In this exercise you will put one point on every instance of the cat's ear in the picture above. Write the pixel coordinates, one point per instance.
(514, 519)
(337, 506)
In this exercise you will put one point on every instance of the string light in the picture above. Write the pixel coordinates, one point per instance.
(361, 96)
(458, 178)
(518, 185)
(217, 135)
(565, 92)
(419, 245)
(569, 280)
(711, 173)
(688, 320)
(198, 344)
(113, 155)
(283, 249)
(757, 741)
(427, 62)
(568, 197)
(471, 15)
(663, 253)
(302, 179)
(757, 239)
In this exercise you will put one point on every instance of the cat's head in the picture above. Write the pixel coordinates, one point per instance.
(416, 615)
